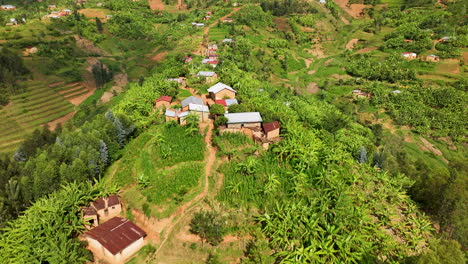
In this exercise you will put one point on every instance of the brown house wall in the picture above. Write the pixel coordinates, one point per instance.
(225, 93)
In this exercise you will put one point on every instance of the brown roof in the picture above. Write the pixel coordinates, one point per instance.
(88, 211)
(271, 126)
(99, 204)
(113, 200)
(164, 98)
(116, 234)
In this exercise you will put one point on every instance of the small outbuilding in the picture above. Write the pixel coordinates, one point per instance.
(409, 55)
(116, 240)
(432, 58)
(209, 76)
(163, 101)
(107, 207)
(201, 110)
(246, 119)
(171, 115)
(271, 129)
(222, 91)
(90, 216)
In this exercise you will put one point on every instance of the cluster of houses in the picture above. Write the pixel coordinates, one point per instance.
(412, 56)
(110, 237)
(249, 123)
(211, 56)
(58, 14)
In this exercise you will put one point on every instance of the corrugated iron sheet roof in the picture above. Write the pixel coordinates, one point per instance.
(164, 98)
(206, 73)
(247, 117)
(199, 108)
(88, 211)
(116, 234)
(267, 127)
(113, 200)
(191, 100)
(219, 87)
(99, 204)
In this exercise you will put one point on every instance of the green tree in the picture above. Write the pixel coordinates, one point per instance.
(99, 25)
(209, 226)
(216, 109)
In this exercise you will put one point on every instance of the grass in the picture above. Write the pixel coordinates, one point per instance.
(161, 168)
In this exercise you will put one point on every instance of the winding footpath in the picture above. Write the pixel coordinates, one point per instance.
(176, 217)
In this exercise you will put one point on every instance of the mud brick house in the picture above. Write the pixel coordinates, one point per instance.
(116, 240)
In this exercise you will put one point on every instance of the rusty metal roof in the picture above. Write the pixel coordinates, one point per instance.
(271, 126)
(113, 200)
(88, 211)
(99, 204)
(116, 234)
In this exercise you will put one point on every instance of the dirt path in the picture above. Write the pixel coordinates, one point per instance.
(351, 44)
(156, 5)
(187, 207)
(53, 124)
(207, 30)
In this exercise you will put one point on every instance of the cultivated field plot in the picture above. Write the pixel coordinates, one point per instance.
(39, 104)
(218, 33)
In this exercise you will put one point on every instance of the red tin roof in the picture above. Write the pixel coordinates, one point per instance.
(164, 98)
(221, 102)
(113, 200)
(116, 234)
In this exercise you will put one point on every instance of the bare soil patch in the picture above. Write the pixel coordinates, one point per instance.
(317, 51)
(92, 13)
(355, 10)
(308, 62)
(281, 24)
(88, 46)
(345, 21)
(350, 45)
(311, 72)
(81, 98)
(312, 88)
(430, 147)
(465, 57)
(449, 66)
(156, 5)
(328, 62)
(366, 50)
(53, 124)
(159, 56)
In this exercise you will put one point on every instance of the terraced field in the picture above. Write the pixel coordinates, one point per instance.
(39, 104)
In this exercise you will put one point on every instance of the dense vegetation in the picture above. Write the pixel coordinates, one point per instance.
(353, 179)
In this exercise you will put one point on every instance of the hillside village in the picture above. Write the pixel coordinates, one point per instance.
(233, 132)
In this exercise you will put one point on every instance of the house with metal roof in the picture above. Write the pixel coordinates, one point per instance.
(171, 115)
(201, 110)
(226, 102)
(191, 100)
(163, 101)
(222, 91)
(246, 119)
(116, 240)
(271, 129)
(209, 76)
